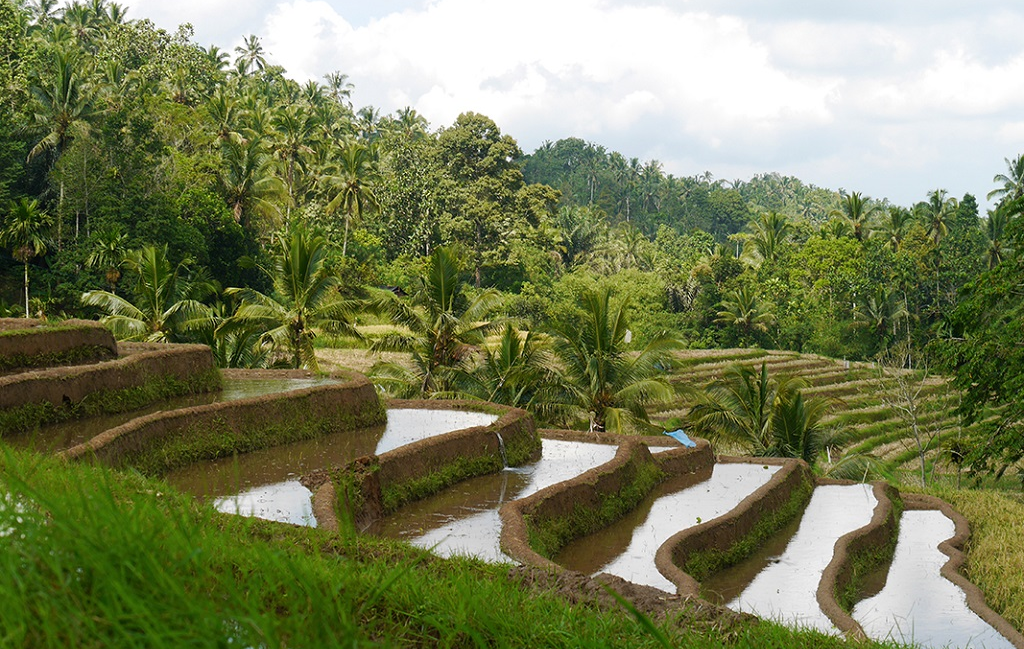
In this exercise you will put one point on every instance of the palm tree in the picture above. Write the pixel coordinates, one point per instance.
(355, 180)
(293, 129)
(108, 253)
(768, 417)
(61, 111)
(248, 179)
(24, 232)
(770, 232)
(250, 55)
(997, 247)
(857, 210)
(598, 378)
(740, 309)
(515, 371)
(441, 327)
(935, 212)
(895, 227)
(1012, 181)
(881, 311)
(168, 299)
(306, 297)
(339, 87)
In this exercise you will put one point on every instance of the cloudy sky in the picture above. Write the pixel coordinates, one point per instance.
(892, 98)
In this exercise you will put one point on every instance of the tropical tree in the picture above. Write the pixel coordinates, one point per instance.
(768, 417)
(167, 303)
(858, 211)
(440, 326)
(305, 298)
(1012, 181)
(25, 233)
(248, 180)
(250, 55)
(741, 310)
(997, 245)
(62, 109)
(770, 231)
(881, 312)
(516, 370)
(354, 182)
(894, 228)
(108, 253)
(599, 378)
(935, 214)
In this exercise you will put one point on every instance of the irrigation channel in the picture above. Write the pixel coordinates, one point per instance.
(266, 483)
(464, 520)
(627, 547)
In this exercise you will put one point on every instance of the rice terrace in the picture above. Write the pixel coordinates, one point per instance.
(300, 348)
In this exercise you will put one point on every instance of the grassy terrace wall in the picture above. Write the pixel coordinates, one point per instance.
(33, 343)
(162, 441)
(144, 373)
(694, 553)
(538, 526)
(376, 485)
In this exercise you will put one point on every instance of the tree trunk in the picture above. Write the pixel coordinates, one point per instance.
(26, 289)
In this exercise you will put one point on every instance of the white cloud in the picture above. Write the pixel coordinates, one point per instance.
(887, 99)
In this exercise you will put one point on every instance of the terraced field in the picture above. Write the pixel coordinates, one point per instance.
(866, 403)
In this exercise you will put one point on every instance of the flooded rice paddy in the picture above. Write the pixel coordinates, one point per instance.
(464, 520)
(627, 547)
(917, 604)
(783, 586)
(266, 484)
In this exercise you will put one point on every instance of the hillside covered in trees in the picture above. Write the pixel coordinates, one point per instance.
(188, 193)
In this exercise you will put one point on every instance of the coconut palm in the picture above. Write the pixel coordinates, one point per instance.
(248, 181)
(599, 379)
(441, 327)
(894, 227)
(250, 55)
(741, 309)
(770, 232)
(306, 297)
(24, 232)
(997, 246)
(881, 312)
(514, 371)
(935, 212)
(354, 182)
(167, 303)
(1012, 181)
(858, 211)
(768, 417)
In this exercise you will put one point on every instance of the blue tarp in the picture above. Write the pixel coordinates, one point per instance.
(681, 437)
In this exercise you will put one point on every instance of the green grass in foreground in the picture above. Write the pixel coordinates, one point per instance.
(97, 558)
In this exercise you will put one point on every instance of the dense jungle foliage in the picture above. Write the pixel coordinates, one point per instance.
(188, 193)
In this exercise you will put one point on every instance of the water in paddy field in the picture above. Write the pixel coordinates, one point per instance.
(627, 547)
(265, 483)
(62, 436)
(785, 589)
(464, 520)
(919, 605)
